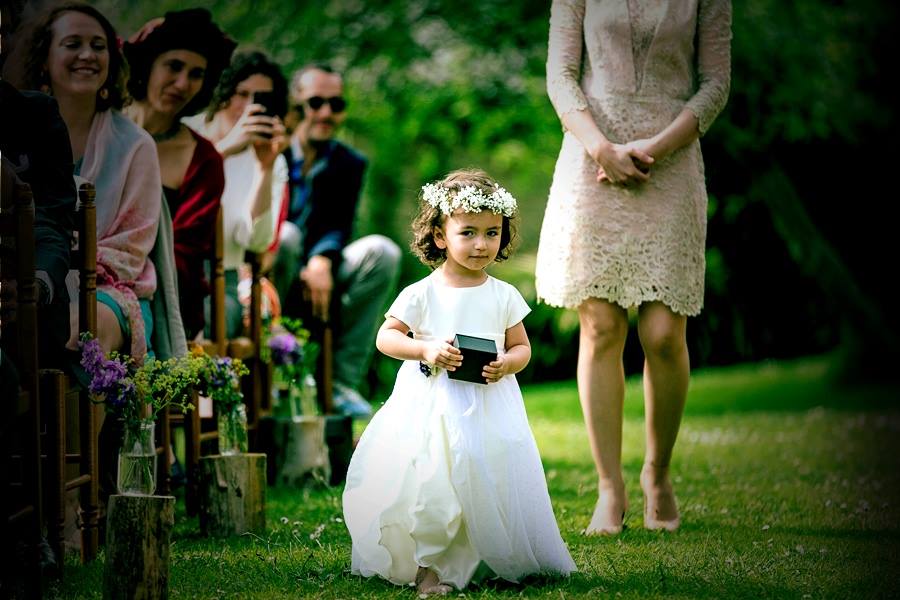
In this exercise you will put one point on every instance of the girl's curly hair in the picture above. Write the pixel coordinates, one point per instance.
(39, 36)
(429, 217)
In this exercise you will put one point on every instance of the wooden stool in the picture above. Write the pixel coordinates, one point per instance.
(138, 536)
(232, 494)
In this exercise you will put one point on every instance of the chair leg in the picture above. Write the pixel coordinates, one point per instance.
(192, 455)
(90, 501)
(53, 388)
(163, 468)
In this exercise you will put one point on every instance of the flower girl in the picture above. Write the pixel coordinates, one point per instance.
(446, 484)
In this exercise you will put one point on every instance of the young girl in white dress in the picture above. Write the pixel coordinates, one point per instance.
(446, 483)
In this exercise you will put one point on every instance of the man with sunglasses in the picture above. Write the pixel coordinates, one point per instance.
(318, 271)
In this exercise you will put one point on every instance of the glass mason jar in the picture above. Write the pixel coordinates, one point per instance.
(233, 431)
(309, 396)
(137, 461)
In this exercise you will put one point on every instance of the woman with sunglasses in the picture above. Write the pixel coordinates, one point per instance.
(175, 65)
(244, 122)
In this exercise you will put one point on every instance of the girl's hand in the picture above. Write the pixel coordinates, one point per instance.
(495, 370)
(620, 164)
(442, 354)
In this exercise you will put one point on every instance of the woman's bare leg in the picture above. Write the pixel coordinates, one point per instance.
(109, 334)
(666, 374)
(601, 388)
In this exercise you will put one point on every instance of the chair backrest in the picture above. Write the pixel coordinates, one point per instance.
(217, 283)
(85, 257)
(24, 498)
(18, 264)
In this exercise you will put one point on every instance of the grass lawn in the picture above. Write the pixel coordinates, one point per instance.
(787, 482)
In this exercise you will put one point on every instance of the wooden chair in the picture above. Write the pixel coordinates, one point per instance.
(257, 384)
(20, 335)
(201, 432)
(65, 396)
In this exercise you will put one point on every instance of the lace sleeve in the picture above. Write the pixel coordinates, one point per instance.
(713, 61)
(564, 56)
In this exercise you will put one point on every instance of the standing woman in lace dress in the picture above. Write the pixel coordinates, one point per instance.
(635, 85)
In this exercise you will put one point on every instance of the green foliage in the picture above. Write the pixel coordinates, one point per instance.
(436, 85)
(130, 391)
(220, 379)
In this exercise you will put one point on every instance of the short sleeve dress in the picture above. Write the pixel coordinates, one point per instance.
(635, 65)
(447, 474)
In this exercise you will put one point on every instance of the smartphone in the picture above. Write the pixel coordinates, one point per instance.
(267, 99)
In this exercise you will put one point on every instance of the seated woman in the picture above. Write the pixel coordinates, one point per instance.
(72, 54)
(244, 122)
(175, 64)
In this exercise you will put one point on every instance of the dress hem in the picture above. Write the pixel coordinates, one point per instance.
(575, 300)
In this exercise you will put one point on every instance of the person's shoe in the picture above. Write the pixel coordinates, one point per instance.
(348, 401)
(49, 563)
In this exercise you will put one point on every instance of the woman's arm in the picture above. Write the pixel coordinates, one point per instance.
(713, 62)
(714, 76)
(393, 341)
(564, 63)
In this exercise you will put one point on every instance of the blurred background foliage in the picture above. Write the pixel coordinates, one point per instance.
(801, 221)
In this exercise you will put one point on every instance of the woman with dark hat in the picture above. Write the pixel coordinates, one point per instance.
(175, 65)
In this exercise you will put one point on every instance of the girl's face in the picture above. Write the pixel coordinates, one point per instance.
(78, 60)
(175, 78)
(243, 96)
(471, 240)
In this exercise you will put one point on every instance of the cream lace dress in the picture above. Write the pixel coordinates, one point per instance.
(635, 65)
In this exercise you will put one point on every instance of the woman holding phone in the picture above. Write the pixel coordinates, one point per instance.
(244, 123)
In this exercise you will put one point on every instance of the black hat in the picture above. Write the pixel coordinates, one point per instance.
(191, 29)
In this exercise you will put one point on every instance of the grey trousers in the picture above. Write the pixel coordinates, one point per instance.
(365, 280)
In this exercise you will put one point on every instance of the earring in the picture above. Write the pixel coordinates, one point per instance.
(104, 93)
(44, 87)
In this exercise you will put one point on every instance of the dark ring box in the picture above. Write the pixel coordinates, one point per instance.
(477, 352)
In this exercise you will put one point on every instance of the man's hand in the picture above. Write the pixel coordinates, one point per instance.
(318, 285)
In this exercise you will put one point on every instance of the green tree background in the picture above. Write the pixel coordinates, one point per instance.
(801, 221)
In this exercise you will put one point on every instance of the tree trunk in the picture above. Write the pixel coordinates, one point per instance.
(232, 494)
(138, 533)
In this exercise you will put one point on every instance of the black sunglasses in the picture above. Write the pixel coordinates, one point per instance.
(337, 103)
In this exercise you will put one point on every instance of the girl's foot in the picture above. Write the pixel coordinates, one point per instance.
(609, 513)
(428, 583)
(660, 506)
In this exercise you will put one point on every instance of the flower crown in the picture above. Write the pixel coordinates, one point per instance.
(469, 199)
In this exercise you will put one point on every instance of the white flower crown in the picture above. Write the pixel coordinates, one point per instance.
(469, 199)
